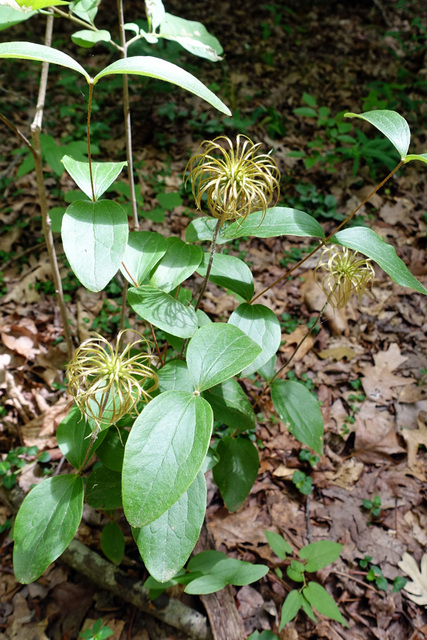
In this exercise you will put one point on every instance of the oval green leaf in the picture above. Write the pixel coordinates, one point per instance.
(46, 524)
(290, 608)
(218, 352)
(367, 242)
(178, 263)
(164, 453)
(41, 53)
(192, 36)
(278, 221)
(391, 124)
(166, 543)
(263, 327)
(73, 437)
(94, 235)
(113, 542)
(320, 554)
(229, 272)
(87, 39)
(323, 602)
(422, 157)
(231, 405)
(103, 175)
(162, 70)
(103, 489)
(174, 376)
(236, 471)
(299, 410)
(279, 545)
(163, 311)
(143, 251)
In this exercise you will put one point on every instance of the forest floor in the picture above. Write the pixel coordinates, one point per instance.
(367, 363)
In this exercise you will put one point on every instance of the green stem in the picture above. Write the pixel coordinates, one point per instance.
(323, 242)
(208, 270)
(89, 155)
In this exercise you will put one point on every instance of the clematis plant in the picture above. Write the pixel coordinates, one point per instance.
(164, 407)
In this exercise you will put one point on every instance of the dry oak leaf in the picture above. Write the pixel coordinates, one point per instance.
(378, 380)
(417, 590)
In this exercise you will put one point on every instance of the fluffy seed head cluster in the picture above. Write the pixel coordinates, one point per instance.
(236, 179)
(341, 272)
(107, 383)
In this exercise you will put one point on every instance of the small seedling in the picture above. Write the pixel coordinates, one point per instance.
(306, 456)
(311, 558)
(373, 506)
(375, 575)
(97, 632)
(303, 482)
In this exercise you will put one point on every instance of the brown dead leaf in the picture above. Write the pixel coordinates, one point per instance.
(24, 291)
(294, 339)
(376, 437)
(41, 430)
(378, 380)
(399, 212)
(346, 475)
(414, 438)
(337, 353)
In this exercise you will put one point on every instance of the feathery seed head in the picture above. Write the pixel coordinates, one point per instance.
(106, 379)
(236, 180)
(341, 272)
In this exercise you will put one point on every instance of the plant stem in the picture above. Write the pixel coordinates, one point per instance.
(127, 119)
(89, 155)
(38, 163)
(208, 270)
(323, 242)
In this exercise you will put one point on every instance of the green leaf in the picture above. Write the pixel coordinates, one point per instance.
(267, 370)
(321, 600)
(290, 608)
(143, 251)
(87, 38)
(279, 545)
(294, 575)
(178, 263)
(227, 571)
(231, 405)
(103, 175)
(217, 352)
(155, 13)
(191, 35)
(236, 471)
(174, 376)
(162, 70)
(113, 542)
(262, 326)
(204, 561)
(422, 157)
(306, 607)
(278, 221)
(36, 5)
(202, 230)
(85, 9)
(94, 235)
(229, 272)
(300, 411)
(320, 554)
(9, 17)
(164, 453)
(73, 437)
(391, 124)
(163, 311)
(103, 489)
(371, 245)
(112, 449)
(307, 112)
(41, 53)
(166, 543)
(46, 524)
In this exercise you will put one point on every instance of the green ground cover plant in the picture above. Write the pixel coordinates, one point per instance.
(146, 405)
